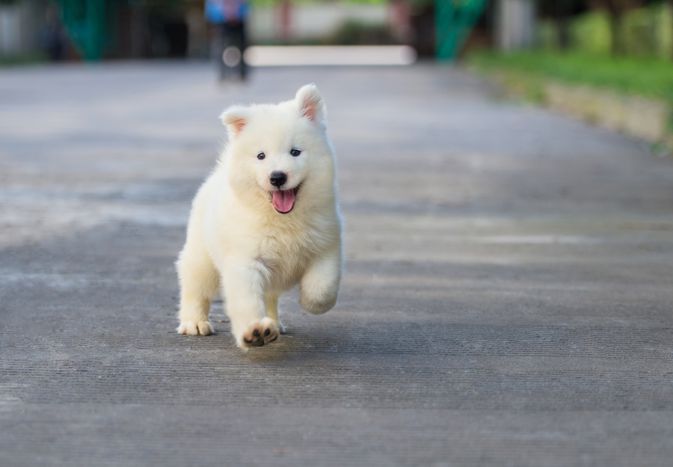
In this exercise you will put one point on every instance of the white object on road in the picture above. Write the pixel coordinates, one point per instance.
(330, 55)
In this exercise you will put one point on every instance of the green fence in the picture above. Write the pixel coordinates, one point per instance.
(454, 19)
(87, 23)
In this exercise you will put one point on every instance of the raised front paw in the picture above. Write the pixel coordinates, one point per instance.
(195, 328)
(317, 305)
(258, 333)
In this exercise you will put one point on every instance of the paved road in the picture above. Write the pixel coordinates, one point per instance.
(508, 299)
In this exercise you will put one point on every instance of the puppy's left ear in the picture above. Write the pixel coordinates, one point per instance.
(235, 118)
(311, 104)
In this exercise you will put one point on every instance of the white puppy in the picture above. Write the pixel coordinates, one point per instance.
(264, 221)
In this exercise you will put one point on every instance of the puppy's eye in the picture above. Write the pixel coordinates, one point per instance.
(261, 156)
(294, 152)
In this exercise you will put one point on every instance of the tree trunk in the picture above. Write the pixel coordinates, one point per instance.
(562, 24)
(285, 10)
(563, 31)
(615, 10)
(670, 11)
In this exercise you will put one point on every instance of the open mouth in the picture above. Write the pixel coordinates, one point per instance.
(283, 200)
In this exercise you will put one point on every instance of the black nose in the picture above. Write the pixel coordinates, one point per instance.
(278, 178)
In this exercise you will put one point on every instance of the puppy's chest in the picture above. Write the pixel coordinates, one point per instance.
(287, 254)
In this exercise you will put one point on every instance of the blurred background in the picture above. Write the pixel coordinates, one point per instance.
(609, 62)
(622, 46)
(33, 30)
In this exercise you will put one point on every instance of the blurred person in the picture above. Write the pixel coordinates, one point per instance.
(229, 18)
(52, 36)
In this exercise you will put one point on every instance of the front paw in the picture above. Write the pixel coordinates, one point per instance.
(195, 328)
(258, 333)
(318, 306)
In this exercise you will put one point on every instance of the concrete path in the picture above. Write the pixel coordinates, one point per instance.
(508, 299)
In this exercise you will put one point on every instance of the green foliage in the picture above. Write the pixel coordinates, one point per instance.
(648, 77)
(646, 32)
(25, 59)
(354, 32)
(591, 33)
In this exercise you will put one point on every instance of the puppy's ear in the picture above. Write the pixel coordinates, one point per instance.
(310, 103)
(235, 118)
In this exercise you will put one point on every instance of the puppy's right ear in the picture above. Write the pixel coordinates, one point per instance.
(235, 118)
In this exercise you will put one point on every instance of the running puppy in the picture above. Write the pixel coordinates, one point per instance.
(265, 220)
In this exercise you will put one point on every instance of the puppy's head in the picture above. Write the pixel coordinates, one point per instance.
(280, 152)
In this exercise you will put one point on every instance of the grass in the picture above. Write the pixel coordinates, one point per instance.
(652, 78)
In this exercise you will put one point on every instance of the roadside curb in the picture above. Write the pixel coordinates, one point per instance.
(648, 119)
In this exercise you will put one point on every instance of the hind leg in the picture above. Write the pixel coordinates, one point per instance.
(199, 282)
(271, 302)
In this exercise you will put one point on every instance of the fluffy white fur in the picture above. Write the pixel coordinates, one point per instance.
(239, 245)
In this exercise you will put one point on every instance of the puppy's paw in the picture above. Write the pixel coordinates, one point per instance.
(258, 333)
(317, 305)
(195, 328)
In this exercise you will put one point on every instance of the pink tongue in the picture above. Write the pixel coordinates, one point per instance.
(283, 201)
